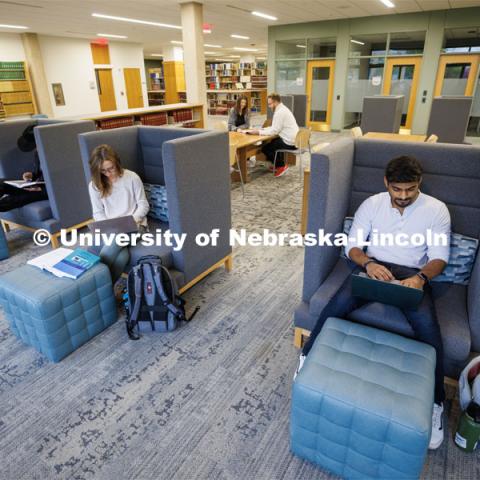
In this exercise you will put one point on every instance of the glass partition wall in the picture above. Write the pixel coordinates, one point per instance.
(383, 64)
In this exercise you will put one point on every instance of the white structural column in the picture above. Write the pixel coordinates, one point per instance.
(193, 56)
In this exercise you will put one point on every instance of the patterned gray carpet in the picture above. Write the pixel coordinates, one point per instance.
(210, 400)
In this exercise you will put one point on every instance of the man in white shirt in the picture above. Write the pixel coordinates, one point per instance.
(285, 126)
(402, 211)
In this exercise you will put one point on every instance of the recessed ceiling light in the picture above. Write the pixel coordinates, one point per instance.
(207, 30)
(357, 41)
(20, 27)
(388, 3)
(176, 42)
(301, 46)
(110, 35)
(156, 55)
(211, 46)
(134, 20)
(233, 56)
(264, 15)
(241, 37)
(241, 49)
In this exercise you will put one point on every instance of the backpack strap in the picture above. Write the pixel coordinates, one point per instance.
(178, 312)
(132, 322)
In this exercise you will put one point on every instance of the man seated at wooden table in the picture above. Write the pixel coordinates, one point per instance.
(285, 126)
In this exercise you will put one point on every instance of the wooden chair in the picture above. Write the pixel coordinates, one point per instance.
(432, 138)
(357, 132)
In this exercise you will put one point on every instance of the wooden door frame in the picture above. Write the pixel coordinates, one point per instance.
(387, 84)
(320, 126)
(445, 59)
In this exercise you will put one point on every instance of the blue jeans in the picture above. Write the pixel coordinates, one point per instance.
(423, 319)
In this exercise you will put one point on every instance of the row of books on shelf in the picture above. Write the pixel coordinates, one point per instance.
(118, 122)
(235, 66)
(11, 66)
(182, 115)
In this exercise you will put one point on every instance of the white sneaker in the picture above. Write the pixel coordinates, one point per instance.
(437, 427)
(252, 161)
(301, 361)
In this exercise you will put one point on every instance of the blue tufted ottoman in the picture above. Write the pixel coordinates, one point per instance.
(57, 315)
(362, 403)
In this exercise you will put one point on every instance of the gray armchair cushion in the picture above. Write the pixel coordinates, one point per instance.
(37, 211)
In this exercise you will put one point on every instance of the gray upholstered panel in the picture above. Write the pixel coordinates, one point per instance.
(59, 154)
(449, 118)
(14, 162)
(330, 186)
(451, 174)
(151, 141)
(18, 215)
(473, 304)
(382, 113)
(123, 140)
(37, 211)
(197, 176)
(300, 109)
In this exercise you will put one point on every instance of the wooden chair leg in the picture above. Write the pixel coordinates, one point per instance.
(54, 241)
(229, 263)
(298, 338)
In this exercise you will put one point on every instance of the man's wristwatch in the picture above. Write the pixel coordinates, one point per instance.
(423, 277)
(364, 266)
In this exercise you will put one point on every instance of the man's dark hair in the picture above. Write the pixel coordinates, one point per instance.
(26, 141)
(275, 97)
(404, 169)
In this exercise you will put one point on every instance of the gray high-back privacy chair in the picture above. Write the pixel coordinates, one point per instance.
(382, 113)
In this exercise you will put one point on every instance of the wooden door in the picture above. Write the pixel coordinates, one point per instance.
(133, 87)
(320, 74)
(456, 75)
(401, 78)
(106, 92)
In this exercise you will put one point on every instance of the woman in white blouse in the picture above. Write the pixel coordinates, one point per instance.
(114, 190)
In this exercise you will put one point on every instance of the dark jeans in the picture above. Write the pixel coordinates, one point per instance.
(13, 197)
(270, 148)
(423, 319)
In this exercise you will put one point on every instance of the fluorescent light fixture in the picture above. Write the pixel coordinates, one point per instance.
(388, 3)
(261, 58)
(211, 46)
(241, 49)
(176, 42)
(110, 35)
(207, 30)
(134, 20)
(19, 27)
(210, 53)
(156, 55)
(301, 46)
(264, 15)
(357, 42)
(233, 56)
(241, 37)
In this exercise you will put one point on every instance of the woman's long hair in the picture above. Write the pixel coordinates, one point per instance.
(98, 156)
(238, 108)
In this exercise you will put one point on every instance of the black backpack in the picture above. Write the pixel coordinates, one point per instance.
(151, 299)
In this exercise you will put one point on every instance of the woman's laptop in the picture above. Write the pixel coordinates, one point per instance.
(115, 225)
(385, 292)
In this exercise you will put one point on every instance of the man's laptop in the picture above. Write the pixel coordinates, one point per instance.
(385, 292)
(115, 225)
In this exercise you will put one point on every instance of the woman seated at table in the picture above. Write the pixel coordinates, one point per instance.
(238, 117)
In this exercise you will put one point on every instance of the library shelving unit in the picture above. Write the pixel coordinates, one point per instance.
(226, 81)
(15, 89)
(156, 87)
(174, 115)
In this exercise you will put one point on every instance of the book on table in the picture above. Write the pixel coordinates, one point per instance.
(65, 262)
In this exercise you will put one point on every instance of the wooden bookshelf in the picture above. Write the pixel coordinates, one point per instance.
(156, 98)
(16, 90)
(227, 76)
(174, 115)
(219, 102)
(155, 86)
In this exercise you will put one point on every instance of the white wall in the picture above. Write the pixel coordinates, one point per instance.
(126, 55)
(69, 61)
(11, 48)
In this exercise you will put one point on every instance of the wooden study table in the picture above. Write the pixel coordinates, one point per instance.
(399, 137)
(246, 148)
